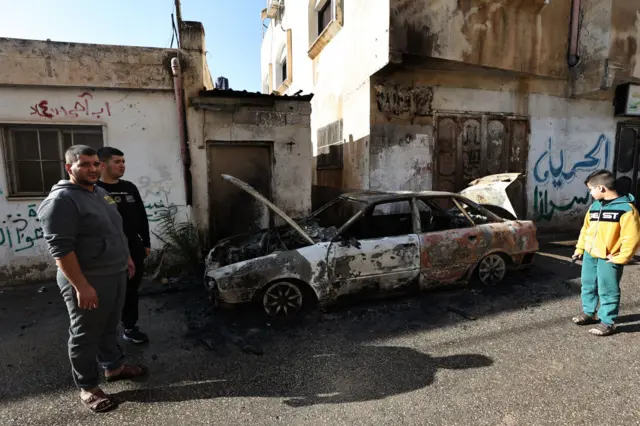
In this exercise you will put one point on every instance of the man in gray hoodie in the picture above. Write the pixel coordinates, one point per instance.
(83, 230)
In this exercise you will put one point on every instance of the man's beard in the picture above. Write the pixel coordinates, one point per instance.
(83, 181)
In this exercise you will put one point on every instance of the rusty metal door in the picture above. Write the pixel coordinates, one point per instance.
(626, 164)
(232, 211)
(471, 146)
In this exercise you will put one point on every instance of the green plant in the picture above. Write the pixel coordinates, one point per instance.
(183, 243)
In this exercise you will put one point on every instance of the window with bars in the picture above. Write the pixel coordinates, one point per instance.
(34, 155)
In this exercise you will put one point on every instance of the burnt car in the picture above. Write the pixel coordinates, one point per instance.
(373, 244)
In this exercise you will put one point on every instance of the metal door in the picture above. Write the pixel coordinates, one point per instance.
(627, 159)
(233, 211)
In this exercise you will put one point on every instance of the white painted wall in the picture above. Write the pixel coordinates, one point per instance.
(339, 75)
(141, 124)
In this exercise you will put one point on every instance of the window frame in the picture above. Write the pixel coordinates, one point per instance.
(283, 69)
(7, 131)
(320, 16)
(321, 33)
(368, 211)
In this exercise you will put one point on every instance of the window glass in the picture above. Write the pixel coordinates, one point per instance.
(35, 155)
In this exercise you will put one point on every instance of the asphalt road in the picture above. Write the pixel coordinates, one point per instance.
(505, 356)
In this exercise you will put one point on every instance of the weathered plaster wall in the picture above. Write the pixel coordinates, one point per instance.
(338, 75)
(401, 134)
(625, 48)
(569, 138)
(525, 36)
(142, 124)
(284, 123)
(608, 45)
(42, 63)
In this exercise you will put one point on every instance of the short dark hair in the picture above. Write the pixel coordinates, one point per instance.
(105, 153)
(74, 152)
(601, 177)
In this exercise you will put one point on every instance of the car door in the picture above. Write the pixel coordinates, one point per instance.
(385, 258)
(450, 242)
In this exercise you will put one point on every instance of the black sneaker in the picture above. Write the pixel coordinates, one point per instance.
(134, 335)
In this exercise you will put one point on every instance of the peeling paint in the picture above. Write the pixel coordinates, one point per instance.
(404, 165)
(401, 100)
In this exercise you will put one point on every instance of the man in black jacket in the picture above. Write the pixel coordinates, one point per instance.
(136, 228)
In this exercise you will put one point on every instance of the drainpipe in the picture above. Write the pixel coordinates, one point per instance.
(573, 59)
(184, 149)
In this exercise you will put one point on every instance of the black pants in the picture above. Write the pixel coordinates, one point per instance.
(130, 309)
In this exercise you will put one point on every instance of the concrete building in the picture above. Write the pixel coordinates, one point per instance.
(411, 94)
(53, 95)
(264, 141)
(177, 142)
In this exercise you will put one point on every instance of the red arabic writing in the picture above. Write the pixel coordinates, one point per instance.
(81, 107)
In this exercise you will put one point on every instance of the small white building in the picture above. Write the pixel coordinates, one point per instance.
(53, 95)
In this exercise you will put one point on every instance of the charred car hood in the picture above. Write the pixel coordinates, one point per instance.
(499, 190)
(255, 194)
(293, 235)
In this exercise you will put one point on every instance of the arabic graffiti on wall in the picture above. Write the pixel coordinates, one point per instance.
(82, 108)
(155, 193)
(550, 168)
(545, 209)
(20, 231)
(547, 170)
(155, 187)
(157, 210)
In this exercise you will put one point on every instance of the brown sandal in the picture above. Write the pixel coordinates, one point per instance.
(584, 319)
(128, 372)
(603, 330)
(99, 402)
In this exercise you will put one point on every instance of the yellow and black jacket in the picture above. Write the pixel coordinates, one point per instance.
(611, 229)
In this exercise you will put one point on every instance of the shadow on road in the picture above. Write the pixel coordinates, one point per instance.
(332, 376)
(181, 321)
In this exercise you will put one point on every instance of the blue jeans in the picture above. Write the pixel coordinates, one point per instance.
(601, 280)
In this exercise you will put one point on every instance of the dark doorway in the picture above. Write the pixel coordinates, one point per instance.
(232, 211)
(627, 159)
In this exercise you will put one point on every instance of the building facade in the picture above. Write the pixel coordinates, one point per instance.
(54, 95)
(416, 95)
(178, 136)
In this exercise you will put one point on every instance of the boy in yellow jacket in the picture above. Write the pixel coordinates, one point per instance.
(608, 240)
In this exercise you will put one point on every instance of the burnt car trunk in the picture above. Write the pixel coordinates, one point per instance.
(501, 194)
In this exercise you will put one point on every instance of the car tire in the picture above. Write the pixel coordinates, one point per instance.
(284, 301)
(491, 269)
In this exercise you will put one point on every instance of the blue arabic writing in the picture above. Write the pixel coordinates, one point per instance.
(545, 209)
(14, 232)
(545, 171)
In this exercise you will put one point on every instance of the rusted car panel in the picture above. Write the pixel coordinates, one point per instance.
(374, 244)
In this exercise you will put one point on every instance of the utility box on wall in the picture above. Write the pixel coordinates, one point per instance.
(627, 100)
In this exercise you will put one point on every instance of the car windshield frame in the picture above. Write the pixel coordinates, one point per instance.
(363, 206)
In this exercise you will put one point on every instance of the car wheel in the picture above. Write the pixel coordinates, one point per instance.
(283, 300)
(492, 269)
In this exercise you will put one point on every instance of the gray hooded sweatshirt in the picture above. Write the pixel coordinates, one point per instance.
(88, 223)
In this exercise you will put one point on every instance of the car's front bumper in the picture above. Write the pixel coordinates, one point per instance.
(227, 298)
